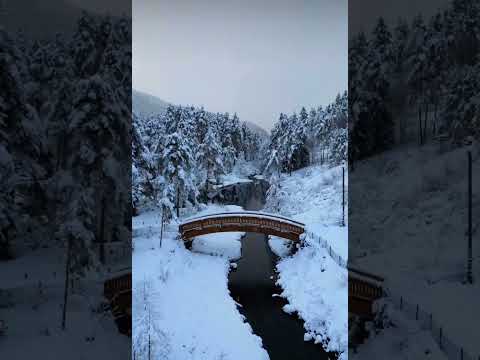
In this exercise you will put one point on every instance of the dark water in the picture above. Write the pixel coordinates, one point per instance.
(252, 285)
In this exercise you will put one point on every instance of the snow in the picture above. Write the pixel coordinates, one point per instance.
(279, 246)
(231, 179)
(221, 244)
(336, 236)
(194, 323)
(418, 247)
(258, 214)
(401, 339)
(239, 174)
(315, 286)
(31, 308)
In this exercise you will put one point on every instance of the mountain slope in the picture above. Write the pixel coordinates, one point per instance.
(146, 104)
(257, 129)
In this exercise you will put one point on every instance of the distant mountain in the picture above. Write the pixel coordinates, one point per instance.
(257, 129)
(146, 104)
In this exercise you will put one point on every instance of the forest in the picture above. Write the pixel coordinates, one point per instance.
(65, 115)
(428, 69)
(176, 154)
(179, 154)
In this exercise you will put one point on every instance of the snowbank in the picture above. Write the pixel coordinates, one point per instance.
(314, 285)
(193, 314)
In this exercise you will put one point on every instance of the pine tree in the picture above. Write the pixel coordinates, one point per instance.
(178, 162)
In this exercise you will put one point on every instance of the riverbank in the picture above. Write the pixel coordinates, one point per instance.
(253, 285)
(182, 297)
(314, 285)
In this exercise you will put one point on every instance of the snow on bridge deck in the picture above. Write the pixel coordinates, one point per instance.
(256, 214)
(244, 221)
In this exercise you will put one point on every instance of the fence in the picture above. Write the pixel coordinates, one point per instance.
(427, 322)
(333, 254)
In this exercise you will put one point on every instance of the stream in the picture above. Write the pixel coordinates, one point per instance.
(252, 284)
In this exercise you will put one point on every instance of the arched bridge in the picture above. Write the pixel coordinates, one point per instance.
(363, 288)
(245, 221)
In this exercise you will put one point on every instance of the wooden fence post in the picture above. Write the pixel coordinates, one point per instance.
(401, 302)
(416, 313)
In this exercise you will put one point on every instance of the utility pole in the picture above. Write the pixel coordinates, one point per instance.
(469, 260)
(343, 196)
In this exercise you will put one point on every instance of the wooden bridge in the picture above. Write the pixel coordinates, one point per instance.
(363, 288)
(245, 221)
(118, 291)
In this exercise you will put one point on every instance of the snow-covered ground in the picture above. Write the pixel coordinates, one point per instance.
(31, 305)
(314, 285)
(403, 340)
(240, 173)
(193, 314)
(417, 200)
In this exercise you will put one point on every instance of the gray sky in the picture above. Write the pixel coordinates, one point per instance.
(256, 58)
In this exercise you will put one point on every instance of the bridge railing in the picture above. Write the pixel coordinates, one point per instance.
(243, 213)
(427, 322)
(339, 260)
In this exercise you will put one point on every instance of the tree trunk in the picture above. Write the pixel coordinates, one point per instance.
(161, 225)
(177, 205)
(65, 291)
(469, 259)
(102, 232)
(420, 124)
(425, 125)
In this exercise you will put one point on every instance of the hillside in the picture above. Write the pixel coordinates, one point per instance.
(413, 231)
(146, 104)
(257, 129)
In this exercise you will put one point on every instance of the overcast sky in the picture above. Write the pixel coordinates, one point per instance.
(256, 58)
